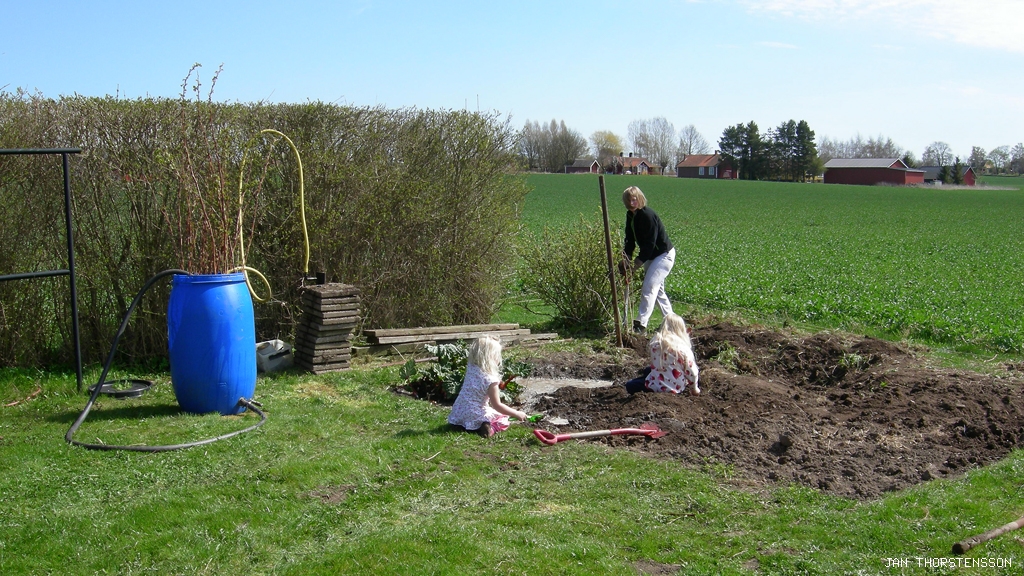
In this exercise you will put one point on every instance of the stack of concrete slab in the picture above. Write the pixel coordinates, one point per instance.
(323, 338)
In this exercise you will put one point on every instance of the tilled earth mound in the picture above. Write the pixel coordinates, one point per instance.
(854, 417)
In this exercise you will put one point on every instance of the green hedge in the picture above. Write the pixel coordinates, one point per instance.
(418, 208)
(567, 268)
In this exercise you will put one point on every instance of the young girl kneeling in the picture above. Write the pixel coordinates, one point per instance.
(479, 406)
(673, 367)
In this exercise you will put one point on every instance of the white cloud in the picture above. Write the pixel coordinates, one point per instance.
(971, 91)
(782, 45)
(995, 24)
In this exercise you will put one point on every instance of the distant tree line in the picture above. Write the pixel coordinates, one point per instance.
(999, 160)
(787, 152)
(550, 147)
(857, 147)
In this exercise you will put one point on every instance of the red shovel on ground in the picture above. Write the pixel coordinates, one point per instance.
(649, 430)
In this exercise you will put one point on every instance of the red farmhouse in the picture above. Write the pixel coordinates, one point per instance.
(931, 175)
(583, 165)
(630, 165)
(704, 166)
(870, 171)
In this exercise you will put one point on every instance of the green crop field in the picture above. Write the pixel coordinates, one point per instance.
(938, 265)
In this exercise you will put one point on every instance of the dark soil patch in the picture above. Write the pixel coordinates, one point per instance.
(332, 494)
(855, 417)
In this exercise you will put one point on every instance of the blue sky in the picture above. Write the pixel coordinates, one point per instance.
(916, 71)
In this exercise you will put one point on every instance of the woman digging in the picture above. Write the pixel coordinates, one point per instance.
(644, 231)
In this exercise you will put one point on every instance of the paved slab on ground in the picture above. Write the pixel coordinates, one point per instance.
(535, 388)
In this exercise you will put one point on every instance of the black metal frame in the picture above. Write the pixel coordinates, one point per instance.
(64, 152)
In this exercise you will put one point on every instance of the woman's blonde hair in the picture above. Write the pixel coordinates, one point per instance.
(673, 335)
(634, 192)
(485, 352)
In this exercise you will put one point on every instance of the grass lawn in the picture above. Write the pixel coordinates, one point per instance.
(347, 477)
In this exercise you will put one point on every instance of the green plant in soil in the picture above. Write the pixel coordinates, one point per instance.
(442, 379)
(728, 356)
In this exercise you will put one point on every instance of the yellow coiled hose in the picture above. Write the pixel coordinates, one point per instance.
(302, 213)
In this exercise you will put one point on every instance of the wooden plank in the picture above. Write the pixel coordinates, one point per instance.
(388, 332)
(535, 337)
(447, 337)
(388, 349)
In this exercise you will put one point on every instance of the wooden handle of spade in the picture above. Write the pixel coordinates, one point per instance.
(965, 545)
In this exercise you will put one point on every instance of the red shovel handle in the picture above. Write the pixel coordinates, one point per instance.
(552, 439)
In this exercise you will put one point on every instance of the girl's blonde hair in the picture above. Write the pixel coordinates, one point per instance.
(485, 352)
(634, 192)
(673, 335)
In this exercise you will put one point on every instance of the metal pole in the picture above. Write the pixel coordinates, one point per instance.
(71, 266)
(30, 275)
(71, 246)
(611, 263)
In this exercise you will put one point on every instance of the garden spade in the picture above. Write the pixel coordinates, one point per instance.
(649, 430)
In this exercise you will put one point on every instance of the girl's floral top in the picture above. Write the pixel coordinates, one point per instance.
(671, 370)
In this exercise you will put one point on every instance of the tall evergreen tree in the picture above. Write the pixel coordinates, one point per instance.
(784, 151)
(944, 175)
(730, 146)
(756, 153)
(958, 172)
(806, 154)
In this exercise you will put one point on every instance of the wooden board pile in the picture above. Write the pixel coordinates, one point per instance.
(323, 337)
(403, 340)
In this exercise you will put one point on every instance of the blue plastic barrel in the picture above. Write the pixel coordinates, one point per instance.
(211, 333)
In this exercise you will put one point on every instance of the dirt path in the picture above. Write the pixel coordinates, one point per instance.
(855, 417)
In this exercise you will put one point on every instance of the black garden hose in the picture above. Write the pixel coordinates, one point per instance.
(96, 390)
